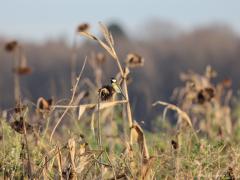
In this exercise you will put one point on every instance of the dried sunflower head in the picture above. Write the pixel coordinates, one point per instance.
(20, 108)
(106, 92)
(43, 104)
(134, 60)
(205, 95)
(17, 125)
(83, 27)
(11, 46)
(174, 144)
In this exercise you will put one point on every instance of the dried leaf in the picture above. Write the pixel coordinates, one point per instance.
(146, 172)
(137, 134)
(103, 105)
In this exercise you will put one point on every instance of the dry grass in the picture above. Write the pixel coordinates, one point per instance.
(58, 141)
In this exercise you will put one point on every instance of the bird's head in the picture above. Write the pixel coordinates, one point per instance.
(113, 80)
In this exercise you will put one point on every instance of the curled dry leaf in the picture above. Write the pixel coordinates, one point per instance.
(137, 134)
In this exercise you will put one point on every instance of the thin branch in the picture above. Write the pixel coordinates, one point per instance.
(27, 148)
(71, 101)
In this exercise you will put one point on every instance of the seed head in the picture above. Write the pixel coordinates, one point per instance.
(11, 46)
(134, 60)
(205, 95)
(83, 27)
(17, 125)
(43, 104)
(174, 144)
(106, 92)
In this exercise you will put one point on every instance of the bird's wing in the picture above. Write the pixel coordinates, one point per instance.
(121, 91)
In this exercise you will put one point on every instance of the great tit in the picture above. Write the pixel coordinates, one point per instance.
(117, 87)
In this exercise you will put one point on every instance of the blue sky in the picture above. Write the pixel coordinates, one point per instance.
(40, 19)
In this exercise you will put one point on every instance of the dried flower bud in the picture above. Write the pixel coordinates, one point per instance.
(18, 126)
(11, 46)
(83, 27)
(134, 60)
(205, 95)
(174, 144)
(229, 174)
(43, 104)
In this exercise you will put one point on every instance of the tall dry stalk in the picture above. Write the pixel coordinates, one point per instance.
(73, 60)
(71, 100)
(28, 152)
(16, 78)
(109, 47)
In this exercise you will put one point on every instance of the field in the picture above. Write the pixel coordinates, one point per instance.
(94, 135)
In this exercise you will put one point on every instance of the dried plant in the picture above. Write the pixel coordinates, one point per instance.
(204, 143)
(11, 46)
(138, 135)
(134, 60)
(18, 126)
(43, 104)
(106, 92)
(83, 27)
(206, 102)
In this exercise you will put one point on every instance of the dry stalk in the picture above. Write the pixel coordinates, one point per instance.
(99, 134)
(109, 47)
(99, 138)
(147, 169)
(183, 115)
(71, 101)
(59, 161)
(27, 148)
(16, 77)
(72, 151)
(113, 168)
(73, 60)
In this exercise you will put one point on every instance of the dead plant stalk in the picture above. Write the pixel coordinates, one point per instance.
(71, 101)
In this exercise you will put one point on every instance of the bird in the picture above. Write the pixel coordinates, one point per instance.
(117, 87)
